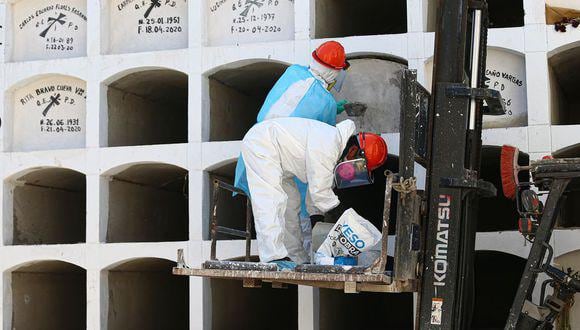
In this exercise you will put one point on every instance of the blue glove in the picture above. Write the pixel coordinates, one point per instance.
(284, 264)
(340, 106)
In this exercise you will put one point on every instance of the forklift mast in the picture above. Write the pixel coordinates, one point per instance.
(453, 185)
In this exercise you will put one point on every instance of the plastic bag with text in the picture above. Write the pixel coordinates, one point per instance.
(350, 236)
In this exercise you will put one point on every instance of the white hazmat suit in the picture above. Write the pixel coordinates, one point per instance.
(277, 150)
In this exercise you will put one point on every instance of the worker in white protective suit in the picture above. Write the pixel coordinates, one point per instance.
(304, 92)
(277, 150)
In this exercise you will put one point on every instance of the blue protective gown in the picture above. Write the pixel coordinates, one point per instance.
(296, 94)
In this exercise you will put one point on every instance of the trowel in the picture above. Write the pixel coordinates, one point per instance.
(355, 109)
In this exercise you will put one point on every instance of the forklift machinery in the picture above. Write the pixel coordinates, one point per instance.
(435, 229)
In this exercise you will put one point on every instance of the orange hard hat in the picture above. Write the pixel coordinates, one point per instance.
(374, 148)
(331, 54)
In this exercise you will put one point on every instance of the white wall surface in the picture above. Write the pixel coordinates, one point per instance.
(238, 21)
(45, 29)
(142, 25)
(49, 113)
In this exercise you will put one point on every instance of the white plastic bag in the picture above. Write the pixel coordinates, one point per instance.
(350, 236)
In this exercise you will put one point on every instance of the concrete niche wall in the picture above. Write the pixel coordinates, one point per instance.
(236, 307)
(502, 14)
(48, 206)
(240, 22)
(497, 213)
(344, 18)
(47, 29)
(506, 71)
(564, 97)
(48, 113)
(231, 211)
(143, 294)
(571, 260)
(497, 276)
(570, 210)
(236, 95)
(145, 25)
(49, 295)
(376, 81)
(365, 310)
(147, 107)
(148, 203)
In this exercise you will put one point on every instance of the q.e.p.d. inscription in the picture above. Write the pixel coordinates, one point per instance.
(50, 114)
(47, 29)
(141, 25)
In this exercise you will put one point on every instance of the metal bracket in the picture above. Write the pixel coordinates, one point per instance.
(495, 103)
(181, 259)
(483, 188)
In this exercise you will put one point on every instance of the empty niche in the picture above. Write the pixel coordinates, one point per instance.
(368, 201)
(569, 216)
(49, 113)
(145, 25)
(506, 73)
(48, 295)
(497, 213)
(250, 21)
(365, 310)
(343, 18)
(144, 294)
(236, 307)
(231, 210)
(564, 98)
(502, 14)
(148, 107)
(497, 277)
(148, 203)
(571, 260)
(374, 80)
(236, 96)
(47, 29)
(48, 207)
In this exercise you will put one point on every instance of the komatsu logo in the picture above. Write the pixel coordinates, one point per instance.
(440, 260)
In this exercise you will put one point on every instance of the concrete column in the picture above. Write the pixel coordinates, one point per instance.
(93, 207)
(538, 87)
(308, 308)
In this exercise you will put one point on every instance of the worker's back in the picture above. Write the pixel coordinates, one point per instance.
(296, 139)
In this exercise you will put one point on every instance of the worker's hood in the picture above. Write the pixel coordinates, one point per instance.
(346, 129)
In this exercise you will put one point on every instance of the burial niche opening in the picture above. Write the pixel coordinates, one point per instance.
(236, 307)
(564, 96)
(497, 276)
(49, 295)
(368, 201)
(497, 213)
(49, 207)
(148, 203)
(502, 14)
(231, 210)
(236, 96)
(344, 18)
(569, 216)
(148, 107)
(375, 80)
(143, 294)
(367, 310)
